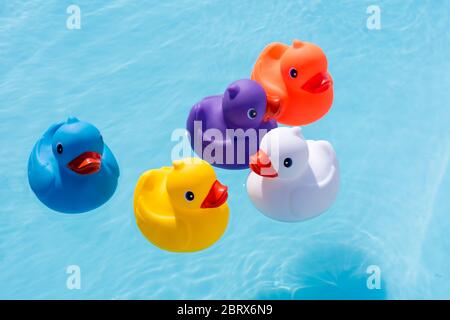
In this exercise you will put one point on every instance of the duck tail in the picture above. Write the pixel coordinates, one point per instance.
(52, 129)
(146, 181)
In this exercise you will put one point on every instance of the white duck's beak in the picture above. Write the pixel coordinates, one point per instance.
(261, 165)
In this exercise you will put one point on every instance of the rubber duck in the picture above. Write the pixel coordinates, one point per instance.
(71, 169)
(181, 208)
(293, 179)
(297, 82)
(226, 129)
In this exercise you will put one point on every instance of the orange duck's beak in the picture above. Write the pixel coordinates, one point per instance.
(319, 83)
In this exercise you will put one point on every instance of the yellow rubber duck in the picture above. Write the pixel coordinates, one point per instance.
(181, 208)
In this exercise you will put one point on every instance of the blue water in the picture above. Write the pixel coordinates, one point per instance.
(135, 68)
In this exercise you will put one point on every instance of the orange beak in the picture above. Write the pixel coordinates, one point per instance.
(261, 165)
(86, 163)
(319, 83)
(216, 197)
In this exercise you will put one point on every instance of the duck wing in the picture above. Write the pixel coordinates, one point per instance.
(207, 135)
(324, 164)
(267, 72)
(319, 189)
(155, 216)
(150, 186)
(41, 171)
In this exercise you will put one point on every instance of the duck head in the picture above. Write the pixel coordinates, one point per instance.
(304, 69)
(244, 104)
(193, 188)
(78, 147)
(283, 154)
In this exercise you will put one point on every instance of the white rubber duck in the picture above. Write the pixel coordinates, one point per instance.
(293, 179)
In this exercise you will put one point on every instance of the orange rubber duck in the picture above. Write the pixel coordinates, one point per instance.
(296, 80)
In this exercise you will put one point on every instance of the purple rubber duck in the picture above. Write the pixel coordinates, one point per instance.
(225, 130)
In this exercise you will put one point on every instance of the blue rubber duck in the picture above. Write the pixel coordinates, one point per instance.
(71, 169)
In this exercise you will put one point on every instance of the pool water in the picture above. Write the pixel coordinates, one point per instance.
(135, 68)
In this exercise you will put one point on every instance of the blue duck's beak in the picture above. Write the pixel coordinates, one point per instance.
(261, 165)
(86, 163)
(216, 197)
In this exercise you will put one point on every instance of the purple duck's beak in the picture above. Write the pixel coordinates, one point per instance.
(273, 108)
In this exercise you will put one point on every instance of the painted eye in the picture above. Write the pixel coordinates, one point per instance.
(251, 113)
(189, 196)
(287, 162)
(59, 148)
(293, 73)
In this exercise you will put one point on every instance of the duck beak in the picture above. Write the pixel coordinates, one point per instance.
(261, 165)
(273, 108)
(86, 163)
(216, 197)
(319, 83)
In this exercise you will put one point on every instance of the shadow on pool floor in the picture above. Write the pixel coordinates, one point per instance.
(332, 272)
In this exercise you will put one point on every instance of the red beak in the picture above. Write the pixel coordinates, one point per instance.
(318, 83)
(273, 108)
(216, 197)
(261, 165)
(86, 163)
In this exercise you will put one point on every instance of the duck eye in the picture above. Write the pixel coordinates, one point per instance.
(189, 196)
(287, 162)
(293, 73)
(59, 148)
(251, 113)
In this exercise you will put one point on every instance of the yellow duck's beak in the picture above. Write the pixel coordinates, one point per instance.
(216, 197)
